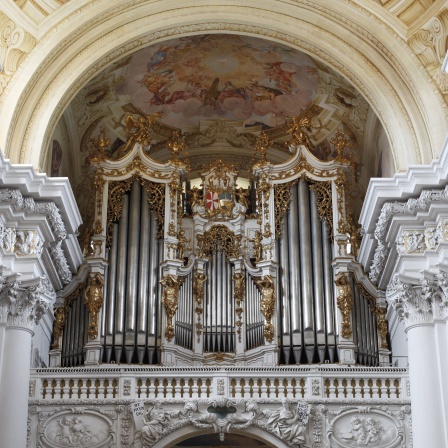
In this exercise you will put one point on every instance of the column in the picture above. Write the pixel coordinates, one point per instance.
(417, 306)
(22, 304)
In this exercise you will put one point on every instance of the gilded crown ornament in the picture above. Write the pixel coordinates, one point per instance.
(176, 145)
(261, 147)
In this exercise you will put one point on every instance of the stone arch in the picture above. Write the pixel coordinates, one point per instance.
(188, 432)
(373, 58)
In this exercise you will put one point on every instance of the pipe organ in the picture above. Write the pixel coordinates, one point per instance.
(259, 276)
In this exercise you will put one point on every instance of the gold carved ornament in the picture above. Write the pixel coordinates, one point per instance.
(176, 145)
(239, 290)
(117, 189)
(218, 239)
(345, 303)
(93, 300)
(298, 135)
(267, 304)
(324, 202)
(198, 294)
(262, 145)
(139, 130)
(170, 300)
(98, 147)
(58, 326)
(282, 199)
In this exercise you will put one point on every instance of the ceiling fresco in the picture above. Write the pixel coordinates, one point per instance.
(220, 76)
(220, 91)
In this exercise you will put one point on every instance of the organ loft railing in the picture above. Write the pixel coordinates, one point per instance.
(263, 275)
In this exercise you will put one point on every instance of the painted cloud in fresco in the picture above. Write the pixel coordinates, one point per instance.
(220, 76)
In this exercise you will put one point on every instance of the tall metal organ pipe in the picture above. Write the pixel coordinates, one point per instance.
(294, 276)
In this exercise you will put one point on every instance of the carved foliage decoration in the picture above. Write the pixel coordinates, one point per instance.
(429, 44)
(282, 198)
(117, 190)
(23, 305)
(217, 239)
(324, 203)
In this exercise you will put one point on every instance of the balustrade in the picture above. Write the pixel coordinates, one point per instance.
(318, 383)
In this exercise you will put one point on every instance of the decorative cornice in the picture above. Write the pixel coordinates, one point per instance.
(390, 209)
(28, 205)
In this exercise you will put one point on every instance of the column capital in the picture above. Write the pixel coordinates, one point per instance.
(420, 301)
(23, 303)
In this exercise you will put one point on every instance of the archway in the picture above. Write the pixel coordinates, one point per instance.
(250, 437)
(383, 69)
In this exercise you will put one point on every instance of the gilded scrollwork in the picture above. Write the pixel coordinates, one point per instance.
(117, 190)
(239, 290)
(94, 299)
(170, 301)
(217, 239)
(345, 303)
(198, 293)
(324, 202)
(282, 198)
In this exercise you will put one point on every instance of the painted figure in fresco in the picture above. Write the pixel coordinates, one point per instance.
(56, 158)
(158, 84)
(282, 78)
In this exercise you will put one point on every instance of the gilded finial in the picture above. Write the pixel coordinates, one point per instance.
(176, 145)
(340, 142)
(98, 147)
(261, 147)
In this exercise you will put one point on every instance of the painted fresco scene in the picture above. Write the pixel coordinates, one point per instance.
(220, 76)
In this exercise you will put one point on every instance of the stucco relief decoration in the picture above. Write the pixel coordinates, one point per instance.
(429, 44)
(23, 304)
(15, 44)
(77, 428)
(286, 420)
(365, 427)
